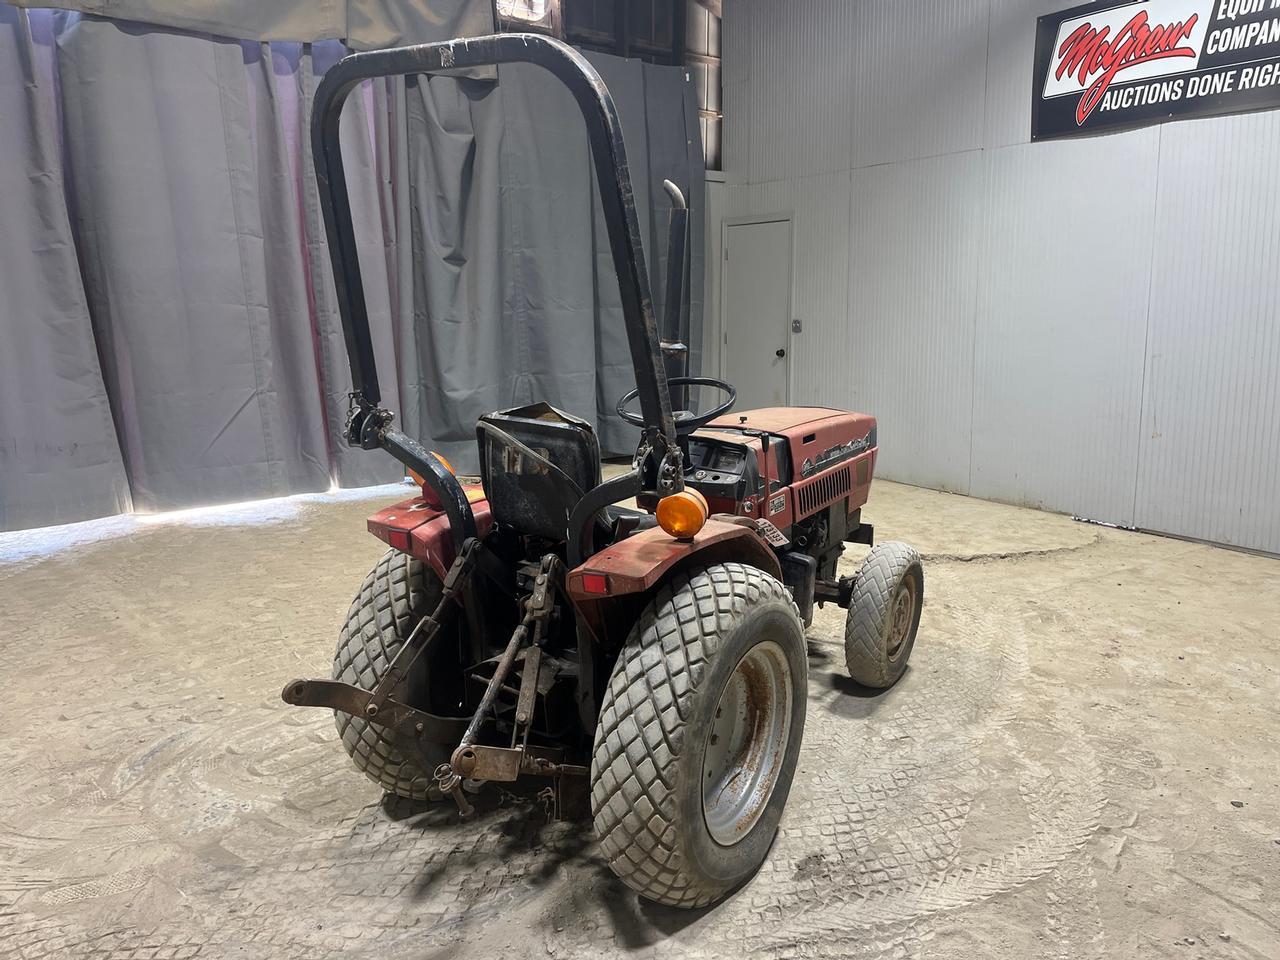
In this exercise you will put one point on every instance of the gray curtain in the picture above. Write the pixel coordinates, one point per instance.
(197, 259)
(59, 457)
(513, 294)
(169, 335)
(364, 24)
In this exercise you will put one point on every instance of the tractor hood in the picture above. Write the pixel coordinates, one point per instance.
(777, 419)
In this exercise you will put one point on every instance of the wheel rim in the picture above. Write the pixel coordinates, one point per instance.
(901, 617)
(747, 743)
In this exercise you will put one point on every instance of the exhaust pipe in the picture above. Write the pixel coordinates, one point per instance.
(675, 352)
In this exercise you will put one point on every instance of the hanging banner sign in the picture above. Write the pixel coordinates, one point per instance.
(1106, 66)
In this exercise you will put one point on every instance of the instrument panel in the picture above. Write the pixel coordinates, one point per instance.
(718, 468)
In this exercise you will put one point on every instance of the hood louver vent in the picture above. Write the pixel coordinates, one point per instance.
(822, 491)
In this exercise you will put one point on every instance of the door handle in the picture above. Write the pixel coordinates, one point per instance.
(780, 352)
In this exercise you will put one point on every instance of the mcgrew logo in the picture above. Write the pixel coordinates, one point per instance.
(1092, 53)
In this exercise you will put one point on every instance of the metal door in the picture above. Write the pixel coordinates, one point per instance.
(756, 312)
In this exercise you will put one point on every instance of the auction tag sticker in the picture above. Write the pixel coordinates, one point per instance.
(771, 533)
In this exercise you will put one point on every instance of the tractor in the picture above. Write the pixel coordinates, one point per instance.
(646, 664)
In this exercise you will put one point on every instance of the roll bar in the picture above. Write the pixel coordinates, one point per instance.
(369, 424)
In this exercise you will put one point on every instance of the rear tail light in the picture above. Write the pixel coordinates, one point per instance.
(597, 583)
(399, 539)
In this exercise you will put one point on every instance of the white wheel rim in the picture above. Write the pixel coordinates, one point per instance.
(747, 743)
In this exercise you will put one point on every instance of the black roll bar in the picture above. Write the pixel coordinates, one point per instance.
(369, 424)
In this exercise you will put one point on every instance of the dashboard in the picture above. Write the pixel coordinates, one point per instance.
(718, 468)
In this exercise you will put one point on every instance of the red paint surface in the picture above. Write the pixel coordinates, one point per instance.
(808, 431)
(427, 528)
(638, 562)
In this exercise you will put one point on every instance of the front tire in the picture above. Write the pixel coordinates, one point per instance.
(398, 592)
(699, 735)
(884, 615)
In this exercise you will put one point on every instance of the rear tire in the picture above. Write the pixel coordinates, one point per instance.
(699, 735)
(884, 614)
(398, 592)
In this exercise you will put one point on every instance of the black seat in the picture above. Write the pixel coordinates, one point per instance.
(617, 522)
(536, 462)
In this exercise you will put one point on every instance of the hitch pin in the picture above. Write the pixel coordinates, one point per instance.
(450, 783)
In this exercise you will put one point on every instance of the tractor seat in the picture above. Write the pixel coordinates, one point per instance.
(536, 462)
(621, 522)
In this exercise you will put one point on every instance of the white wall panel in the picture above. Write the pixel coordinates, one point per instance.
(719, 205)
(820, 288)
(1012, 41)
(819, 211)
(1210, 460)
(735, 151)
(771, 196)
(1089, 326)
(1062, 311)
(912, 290)
(737, 199)
(732, 200)
(798, 68)
(736, 30)
(918, 82)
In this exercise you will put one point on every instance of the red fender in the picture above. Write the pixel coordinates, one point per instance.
(419, 530)
(639, 562)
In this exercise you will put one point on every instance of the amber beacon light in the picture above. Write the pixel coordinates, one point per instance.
(682, 514)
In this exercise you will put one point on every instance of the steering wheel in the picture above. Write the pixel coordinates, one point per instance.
(686, 420)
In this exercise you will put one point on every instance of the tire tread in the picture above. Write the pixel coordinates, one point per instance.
(641, 731)
(394, 596)
(873, 588)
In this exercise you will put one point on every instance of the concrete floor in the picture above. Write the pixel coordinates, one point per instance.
(1083, 761)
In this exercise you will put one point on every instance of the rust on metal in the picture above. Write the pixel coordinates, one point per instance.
(746, 743)
(479, 762)
(505, 764)
(450, 783)
(901, 614)
(335, 695)
(529, 678)
(637, 563)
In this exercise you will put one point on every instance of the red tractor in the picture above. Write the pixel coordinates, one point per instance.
(649, 660)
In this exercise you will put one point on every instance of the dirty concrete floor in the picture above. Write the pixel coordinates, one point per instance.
(1082, 761)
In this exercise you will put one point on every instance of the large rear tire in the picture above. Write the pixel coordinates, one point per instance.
(398, 592)
(699, 735)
